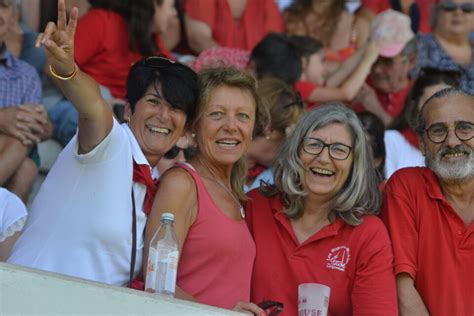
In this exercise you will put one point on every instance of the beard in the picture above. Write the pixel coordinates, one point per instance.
(449, 171)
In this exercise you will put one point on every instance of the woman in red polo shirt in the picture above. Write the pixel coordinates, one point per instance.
(315, 225)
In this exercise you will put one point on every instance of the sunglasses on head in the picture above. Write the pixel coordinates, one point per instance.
(174, 152)
(466, 7)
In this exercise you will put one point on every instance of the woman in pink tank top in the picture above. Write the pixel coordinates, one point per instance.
(206, 195)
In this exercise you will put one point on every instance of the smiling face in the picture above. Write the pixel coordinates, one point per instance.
(453, 159)
(164, 13)
(155, 124)
(324, 176)
(390, 75)
(224, 131)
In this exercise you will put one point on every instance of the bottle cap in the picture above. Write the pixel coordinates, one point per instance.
(167, 216)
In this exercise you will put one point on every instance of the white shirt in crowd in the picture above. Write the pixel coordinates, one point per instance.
(400, 153)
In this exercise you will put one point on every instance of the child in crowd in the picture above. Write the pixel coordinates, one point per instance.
(311, 84)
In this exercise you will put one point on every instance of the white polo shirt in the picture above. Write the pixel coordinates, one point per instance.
(80, 222)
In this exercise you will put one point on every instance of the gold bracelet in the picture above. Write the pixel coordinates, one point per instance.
(55, 75)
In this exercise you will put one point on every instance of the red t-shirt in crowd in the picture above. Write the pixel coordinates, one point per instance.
(101, 49)
(259, 18)
(305, 88)
(392, 103)
(355, 262)
(430, 241)
(424, 7)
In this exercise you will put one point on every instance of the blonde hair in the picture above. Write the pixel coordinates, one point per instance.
(212, 78)
(283, 104)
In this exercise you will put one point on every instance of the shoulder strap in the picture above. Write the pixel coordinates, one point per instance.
(134, 238)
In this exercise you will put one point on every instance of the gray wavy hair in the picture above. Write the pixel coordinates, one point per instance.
(359, 195)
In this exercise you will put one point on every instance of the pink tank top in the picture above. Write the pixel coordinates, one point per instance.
(218, 254)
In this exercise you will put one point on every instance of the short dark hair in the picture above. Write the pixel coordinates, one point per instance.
(305, 45)
(421, 121)
(178, 83)
(276, 56)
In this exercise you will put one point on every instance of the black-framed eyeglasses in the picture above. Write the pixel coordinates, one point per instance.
(337, 151)
(174, 152)
(448, 6)
(438, 132)
(272, 307)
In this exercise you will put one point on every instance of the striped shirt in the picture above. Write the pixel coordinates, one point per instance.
(19, 82)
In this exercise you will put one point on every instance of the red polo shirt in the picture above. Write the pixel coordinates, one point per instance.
(430, 241)
(355, 262)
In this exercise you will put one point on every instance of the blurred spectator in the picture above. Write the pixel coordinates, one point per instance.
(12, 219)
(276, 56)
(401, 141)
(334, 24)
(311, 84)
(285, 108)
(419, 11)
(374, 130)
(20, 42)
(448, 47)
(389, 80)
(23, 122)
(230, 23)
(102, 50)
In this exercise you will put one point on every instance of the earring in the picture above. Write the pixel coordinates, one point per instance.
(193, 135)
(267, 137)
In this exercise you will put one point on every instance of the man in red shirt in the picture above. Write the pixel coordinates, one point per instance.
(389, 81)
(429, 212)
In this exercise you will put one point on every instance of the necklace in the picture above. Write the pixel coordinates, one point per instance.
(241, 208)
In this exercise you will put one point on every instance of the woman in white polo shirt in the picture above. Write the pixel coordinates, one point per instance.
(81, 221)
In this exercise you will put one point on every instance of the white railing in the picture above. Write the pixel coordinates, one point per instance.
(26, 291)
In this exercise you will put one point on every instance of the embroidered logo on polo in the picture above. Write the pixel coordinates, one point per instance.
(338, 258)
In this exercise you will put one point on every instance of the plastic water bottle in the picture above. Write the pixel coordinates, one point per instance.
(163, 258)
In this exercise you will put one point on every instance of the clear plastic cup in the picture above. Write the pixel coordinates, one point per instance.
(313, 299)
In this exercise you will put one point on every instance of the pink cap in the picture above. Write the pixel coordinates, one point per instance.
(222, 56)
(393, 30)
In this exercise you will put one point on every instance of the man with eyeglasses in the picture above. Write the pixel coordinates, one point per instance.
(429, 212)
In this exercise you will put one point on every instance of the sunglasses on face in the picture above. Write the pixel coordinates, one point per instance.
(273, 308)
(174, 152)
(466, 7)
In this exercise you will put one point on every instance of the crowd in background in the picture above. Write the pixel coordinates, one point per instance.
(281, 122)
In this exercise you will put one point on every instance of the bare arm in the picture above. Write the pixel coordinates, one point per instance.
(199, 35)
(95, 116)
(345, 69)
(409, 300)
(174, 184)
(348, 90)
